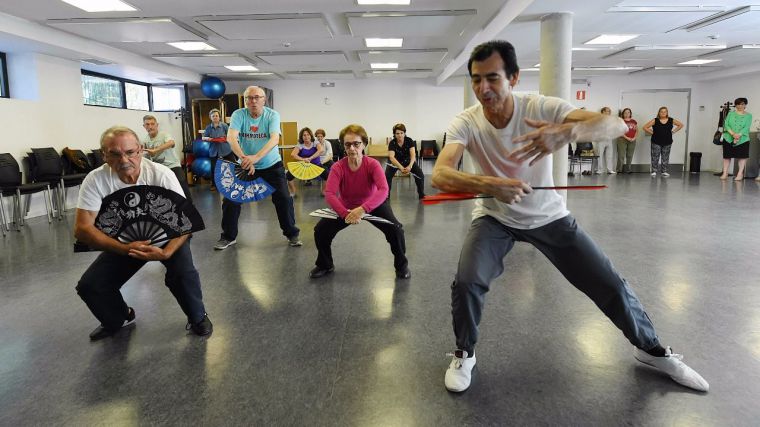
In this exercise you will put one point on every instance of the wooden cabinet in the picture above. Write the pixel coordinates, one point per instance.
(201, 108)
(288, 139)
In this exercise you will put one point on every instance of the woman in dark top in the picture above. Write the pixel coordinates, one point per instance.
(662, 129)
(402, 156)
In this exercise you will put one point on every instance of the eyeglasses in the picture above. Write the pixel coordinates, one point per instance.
(130, 154)
(355, 144)
(254, 97)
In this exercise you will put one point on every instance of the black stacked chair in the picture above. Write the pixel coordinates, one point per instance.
(45, 165)
(96, 158)
(339, 151)
(10, 185)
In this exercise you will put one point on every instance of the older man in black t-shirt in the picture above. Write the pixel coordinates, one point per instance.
(402, 156)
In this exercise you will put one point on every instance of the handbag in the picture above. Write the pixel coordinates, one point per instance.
(718, 137)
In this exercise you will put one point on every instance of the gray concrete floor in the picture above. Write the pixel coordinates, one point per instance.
(359, 348)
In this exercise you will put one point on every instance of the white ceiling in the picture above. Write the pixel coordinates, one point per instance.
(324, 39)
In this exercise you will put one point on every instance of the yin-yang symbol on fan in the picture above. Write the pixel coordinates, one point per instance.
(132, 200)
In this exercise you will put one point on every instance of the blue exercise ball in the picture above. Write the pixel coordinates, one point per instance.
(212, 87)
(202, 167)
(201, 148)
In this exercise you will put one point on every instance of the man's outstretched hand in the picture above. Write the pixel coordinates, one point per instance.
(546, 139)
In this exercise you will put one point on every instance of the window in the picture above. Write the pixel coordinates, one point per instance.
(110, 91)
(137, 96)
(3, 77)
(102, 91)
(167, 98)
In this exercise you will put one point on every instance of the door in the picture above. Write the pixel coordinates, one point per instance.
(644, 104)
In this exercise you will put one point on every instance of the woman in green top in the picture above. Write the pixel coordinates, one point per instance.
(736, 138)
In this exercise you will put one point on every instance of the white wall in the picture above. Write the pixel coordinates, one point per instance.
(606, 91)
(425, 109)
(50, 113)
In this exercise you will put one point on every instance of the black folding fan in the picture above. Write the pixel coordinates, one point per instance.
(146, 212)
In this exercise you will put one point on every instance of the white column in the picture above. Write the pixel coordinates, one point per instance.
(556, 60)
(469, 100)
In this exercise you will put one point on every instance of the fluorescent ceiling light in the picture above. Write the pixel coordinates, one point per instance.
(612, 39)
(101, 5)
(192, 45)
(383, 65)
(530, 69)
(241, 67)
(714, 19)
(537, 65)
(376, 42)
(698, 61)
(605, 68)
(259, 74)
(399, 2)
(384, 72)
(592, 48)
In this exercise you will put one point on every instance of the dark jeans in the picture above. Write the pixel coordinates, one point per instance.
(326, 229)
(571, 251)
(283, 204)
(390, 171)
(183, 182)
(100, 284)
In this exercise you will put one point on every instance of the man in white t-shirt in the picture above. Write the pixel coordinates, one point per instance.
(100, 284)
(500, 133)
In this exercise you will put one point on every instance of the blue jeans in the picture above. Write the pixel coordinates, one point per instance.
(574, 254)
(100, 285)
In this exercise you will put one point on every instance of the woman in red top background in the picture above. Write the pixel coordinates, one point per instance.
(626, 144)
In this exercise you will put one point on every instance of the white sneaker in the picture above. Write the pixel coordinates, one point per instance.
(654, 174)
(672, 365)
(611, 172)
(665, 174)
(459, 374)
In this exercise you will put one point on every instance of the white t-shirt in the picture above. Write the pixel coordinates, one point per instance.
(489, 148)
(327, 154)
(103, 181)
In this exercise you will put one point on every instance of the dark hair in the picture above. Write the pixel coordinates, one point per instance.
(505, 49)
(606, 108)
(356, 130)
(300, 135)
(741, 101)
(399, 126)
(622, 113)
(319, 132)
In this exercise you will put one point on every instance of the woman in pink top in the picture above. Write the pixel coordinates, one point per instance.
(356, 186)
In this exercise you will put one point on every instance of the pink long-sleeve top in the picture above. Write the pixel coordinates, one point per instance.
(347, 189)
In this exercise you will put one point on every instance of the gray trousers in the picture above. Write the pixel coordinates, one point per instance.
(574, 254)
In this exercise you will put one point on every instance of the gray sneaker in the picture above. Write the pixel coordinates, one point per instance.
(223, 244)
(295, 241)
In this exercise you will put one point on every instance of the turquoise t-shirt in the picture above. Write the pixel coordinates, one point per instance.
(255, 133)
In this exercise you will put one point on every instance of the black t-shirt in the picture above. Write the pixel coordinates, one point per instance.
(402, 153)
(662, 134)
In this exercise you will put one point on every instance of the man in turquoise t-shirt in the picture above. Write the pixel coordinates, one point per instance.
(253, 135)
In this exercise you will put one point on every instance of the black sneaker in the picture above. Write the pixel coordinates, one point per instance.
(101, 332)
(202, 328)
(403, 274)
(318, 272)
